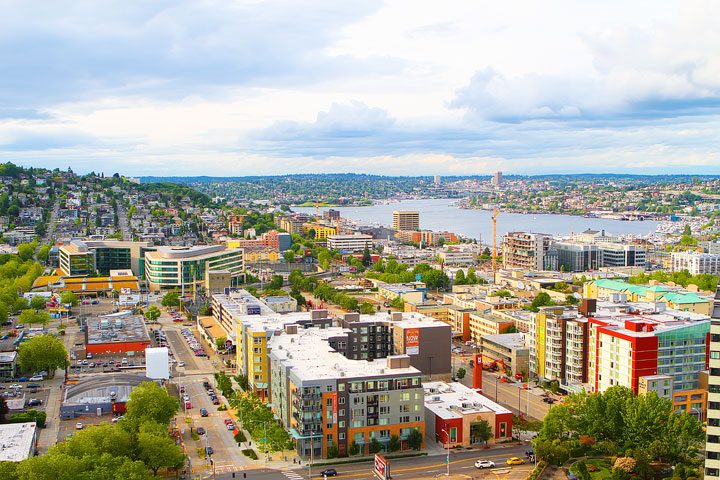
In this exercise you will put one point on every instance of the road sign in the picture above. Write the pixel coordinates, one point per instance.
(382, 468)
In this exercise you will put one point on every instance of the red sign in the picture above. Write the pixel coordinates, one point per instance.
(382, 468)
(334, 407)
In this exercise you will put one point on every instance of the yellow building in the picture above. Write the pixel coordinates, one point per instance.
(321, 231)
(265, 255)
(678, 300)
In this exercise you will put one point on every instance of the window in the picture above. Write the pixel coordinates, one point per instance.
(371, 385)
(404, 419)
(384, 433)
(329, 402)
(341, 435)
(384, 398)
(341, 424)
(405, 397)
(329, 437)
(258, 340)
(404, 408)
(341, 387)
(384, 410)
(341, 412)
(341, 401)
(329, 388)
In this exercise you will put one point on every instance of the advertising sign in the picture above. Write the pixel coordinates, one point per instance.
(126, 291)
(382, 469)
(129, 299)
(334, 408)
(412, 341)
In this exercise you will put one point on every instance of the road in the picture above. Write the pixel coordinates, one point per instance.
(51, 223)
(123, 221)
(462, 463)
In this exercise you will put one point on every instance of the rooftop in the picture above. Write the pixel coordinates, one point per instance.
(509, 340)
(197, 252)
(454, 400)
(7, 357)
(97, 389)
(16, 441)
(116, 328)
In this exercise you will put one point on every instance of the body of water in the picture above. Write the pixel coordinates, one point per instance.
(439, 214)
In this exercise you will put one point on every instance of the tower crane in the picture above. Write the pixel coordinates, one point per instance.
(494, 234)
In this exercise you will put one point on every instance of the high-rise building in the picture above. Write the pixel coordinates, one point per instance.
(437, 179)
(88, 257)
(695, 262)
(497, 178)
(527, 250)
(712, 444)
(406, 220)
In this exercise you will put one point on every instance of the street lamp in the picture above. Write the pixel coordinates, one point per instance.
(447, 441)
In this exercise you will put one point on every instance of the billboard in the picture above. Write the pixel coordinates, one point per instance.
(126, 291)
(412, 341)
(382, 468)
(129, 299)
(156, 363)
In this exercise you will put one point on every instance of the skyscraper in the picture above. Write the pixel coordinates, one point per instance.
(406, 220)
(497, 178)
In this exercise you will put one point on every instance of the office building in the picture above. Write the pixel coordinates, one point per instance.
(622, 255)
(273, 240)
(453, 412)
(406, 220)
(349, 243)
(89, 257)
(497, 179)
(528, 251)
(508, 350)
(325, 399)
(695, 262)
(712, 443)
(577, 257)
(482, 324)
(184, 267)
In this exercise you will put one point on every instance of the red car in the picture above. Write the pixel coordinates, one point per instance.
(228, 421)
(188, 405)
(216, 401)
(177, 319)
(182, 388)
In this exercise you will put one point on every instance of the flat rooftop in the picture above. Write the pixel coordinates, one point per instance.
(97, 389)
(197, 252)
(116, 328)
(512, 341)
(455, 400)
(17, 441)
(312, 358)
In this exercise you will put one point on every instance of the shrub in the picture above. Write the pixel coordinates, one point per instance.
(249, 452)
(222, 408)
(194, 435)
(201, 452)
(625, 463)
(240, 437)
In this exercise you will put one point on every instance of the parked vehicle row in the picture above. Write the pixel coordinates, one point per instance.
(193, 343)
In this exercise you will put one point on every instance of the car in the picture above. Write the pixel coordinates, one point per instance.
(20, 326)
(209, 451)
(36, 378)
(22, 379)
(186, 398)
(203, 412)
(34, 402)
(84, 362)
(230, 426)
(33, 385)
(227, 420)
(105, 364)
(91, 365)
(182, 388)
(200, 431)
(89, 355)
(515, 461)
(188, 405)
(33, 390)
(549, 400)
(177, 319)
(215, 401)
(329, 472)
(181, 364)
(15, 385)
(484, 464)
(78, 426)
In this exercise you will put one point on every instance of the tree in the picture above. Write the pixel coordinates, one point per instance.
(367, 308)
(220, 342)
(481, 431)
(157, 449)
(3, 409)
(152, 313)
(354, 448)
(276, 282)
(224, 383)
(69, 297)
(149, 403)
(582, 470)
(541, 299)
(460, 374)
(289, 256)
(375, 446)
(296, 277)
(44, 253)
(415, 439)
(471, 279)
(366, 258)
(44, 352)
(687, 230)
(37, 302)
(460, 278)
(171, 299)
(278, 439)
(393, 444)
(25, 251)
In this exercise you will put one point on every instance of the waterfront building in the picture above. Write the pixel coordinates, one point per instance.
(695, 263)
(528, 251)
(351, 243)
(622, 255)
(184, 267)
(712, 443)
(406, 220)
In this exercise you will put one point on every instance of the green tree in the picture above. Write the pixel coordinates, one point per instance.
(37, 302)
(541, 299)
(460, 374)
(582, 470)
(619, 474)
(26, 250)
(149, 403)
(471, 278)
(296, 277)
(69, 297)
(171, 299)
(44, 253)
(276, 282)
(152, 313)
(460, 278)
(289, 256)
(481, 431)
(44, 352)
(393, 444)
(415, 439)
(220, 342)
(224, 383)
(4, 410)
(366, 258)
(375, 446)
(354, 448)
(367, 308)
(278, 438)
(157, 449)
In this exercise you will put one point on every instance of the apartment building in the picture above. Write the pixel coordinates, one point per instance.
(507, 349)
(695, 262)
(528, 250)
(676, 298)
(273, 240)
(350, 243)
(291, 224)
(712, 443)
(486, 324)
(326, 399)
(184, 267)
(406, 220)
(321, 231)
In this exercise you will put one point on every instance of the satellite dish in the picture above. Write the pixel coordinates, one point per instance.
(528, 288)
(577, 295)
(520, 285)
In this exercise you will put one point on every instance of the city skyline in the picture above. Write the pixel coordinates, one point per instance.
(393, 88)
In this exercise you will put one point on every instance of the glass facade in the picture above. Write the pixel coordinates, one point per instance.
(107, 259)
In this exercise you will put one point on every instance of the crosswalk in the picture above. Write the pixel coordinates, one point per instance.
(292, 475)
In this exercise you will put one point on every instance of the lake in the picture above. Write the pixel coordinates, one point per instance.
(438, 214)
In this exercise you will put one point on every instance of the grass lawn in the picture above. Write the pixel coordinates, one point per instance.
(603, 465)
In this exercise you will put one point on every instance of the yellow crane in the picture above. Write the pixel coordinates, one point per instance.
(494, 234)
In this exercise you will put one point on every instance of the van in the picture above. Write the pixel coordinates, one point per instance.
(124, 361)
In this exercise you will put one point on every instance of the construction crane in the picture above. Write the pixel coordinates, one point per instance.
(494, 234)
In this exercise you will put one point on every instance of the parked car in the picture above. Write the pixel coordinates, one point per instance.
(230, 426)
(209, 451)
(227, 420)
(200, 431)
(20, 326)
(22, 379)
(36, 378)
(215, 401)
(78, 426)
(188, 405)
(329, 472)
(549, 400)
(484, 464)
(203, 412)
(33, 385)
(181, 364)
(34, 402)
(182, 388)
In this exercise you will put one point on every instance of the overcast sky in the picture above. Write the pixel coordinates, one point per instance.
(400, 87)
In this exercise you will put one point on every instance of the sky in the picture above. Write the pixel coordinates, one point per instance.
(411, 87)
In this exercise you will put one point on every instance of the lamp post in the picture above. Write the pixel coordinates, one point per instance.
(447, 441)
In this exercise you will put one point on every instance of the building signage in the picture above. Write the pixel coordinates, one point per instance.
(412, 341)
(382, 469)
(334, 408)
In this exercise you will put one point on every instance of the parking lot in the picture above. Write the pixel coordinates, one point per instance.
(35, 390)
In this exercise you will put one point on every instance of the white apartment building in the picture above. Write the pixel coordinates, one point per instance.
(712, 443)
(351, 243)
(695, 262)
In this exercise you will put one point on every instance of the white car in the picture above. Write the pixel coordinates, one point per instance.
(78, 426)
(484, 464)
(182, 364)
(37, 378)
(15, 385)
